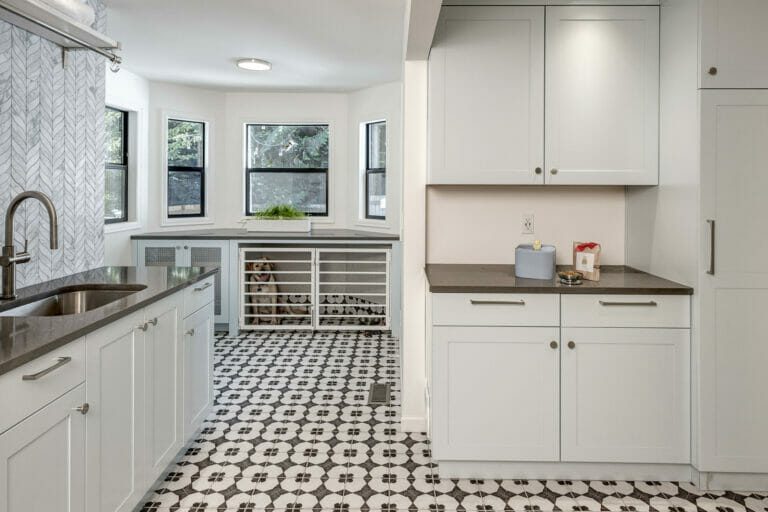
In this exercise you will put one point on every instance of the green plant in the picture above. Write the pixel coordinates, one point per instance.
(279, 212)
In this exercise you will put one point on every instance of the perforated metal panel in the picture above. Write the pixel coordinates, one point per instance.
(160, 256)
(209, 257)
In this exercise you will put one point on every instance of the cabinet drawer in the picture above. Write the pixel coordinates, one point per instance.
(198, 295)
(626, 311)
(48, 377)
(495, 309)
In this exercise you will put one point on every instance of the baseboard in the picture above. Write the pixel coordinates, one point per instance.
(413, 424)
(748, 482)
(563, 470)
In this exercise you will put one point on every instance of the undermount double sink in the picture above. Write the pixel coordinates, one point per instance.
(71, 300)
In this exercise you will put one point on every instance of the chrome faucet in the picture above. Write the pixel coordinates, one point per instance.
(9, 258)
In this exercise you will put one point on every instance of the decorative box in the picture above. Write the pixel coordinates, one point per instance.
(535, 264)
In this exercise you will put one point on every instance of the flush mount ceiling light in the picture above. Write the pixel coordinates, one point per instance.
(254, 64)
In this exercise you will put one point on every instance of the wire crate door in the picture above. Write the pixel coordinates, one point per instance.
(352, 289)
(276, 288)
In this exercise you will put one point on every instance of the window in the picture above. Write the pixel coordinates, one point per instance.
(287, 164)
(186, 168)
(116, 171)
(376, 170)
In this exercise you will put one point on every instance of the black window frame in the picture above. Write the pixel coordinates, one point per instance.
(249, 211)
(122, 166)
(369, 170)
(186, 169)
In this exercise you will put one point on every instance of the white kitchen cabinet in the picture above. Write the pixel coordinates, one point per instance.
(495, 393)
(625, 395)
(602, 95)
(191, 253)
(733, 44)
(42, 459)
(115, 380)
(733, 286)
(197, 348)
(486, 96)
(162, 368)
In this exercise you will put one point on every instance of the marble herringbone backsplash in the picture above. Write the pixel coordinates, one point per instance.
(52, 140)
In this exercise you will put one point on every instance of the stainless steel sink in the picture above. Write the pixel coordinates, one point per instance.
(72, 301)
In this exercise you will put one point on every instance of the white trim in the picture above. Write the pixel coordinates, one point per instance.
(208, 124)
(245, 121)
(362, 165)
(564, 470)
(137, 167)
(117, 227)
(414, 424)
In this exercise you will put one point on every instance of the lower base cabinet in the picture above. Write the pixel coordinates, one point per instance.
(197, 349)
(42, 459)
(625, 395)
(496, 393)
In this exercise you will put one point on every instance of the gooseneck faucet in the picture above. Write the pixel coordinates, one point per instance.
(9, 258)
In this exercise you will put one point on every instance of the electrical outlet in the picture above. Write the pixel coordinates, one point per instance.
(528, 228)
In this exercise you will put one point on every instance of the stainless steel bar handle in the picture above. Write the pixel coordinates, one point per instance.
(711, 270)
(496, 302)
(204, 287)
(60, 361)
(650, 303)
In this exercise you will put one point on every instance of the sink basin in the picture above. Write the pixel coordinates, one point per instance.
(72, 300)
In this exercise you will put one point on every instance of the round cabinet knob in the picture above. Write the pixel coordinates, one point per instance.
(571, 345)
(712, 71)
(186, 247)
(153, 321)
(553, 171)
(553, 344)
(83, 409)
(537, 170)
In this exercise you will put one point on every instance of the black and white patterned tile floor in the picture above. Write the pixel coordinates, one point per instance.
(291, 431)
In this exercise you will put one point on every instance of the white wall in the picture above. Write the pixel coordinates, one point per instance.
(130, 92)
(383, 102)
(484, 224)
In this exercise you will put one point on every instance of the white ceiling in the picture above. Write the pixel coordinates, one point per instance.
(319, 45)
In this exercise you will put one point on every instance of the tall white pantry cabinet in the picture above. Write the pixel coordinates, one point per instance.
(706, 223)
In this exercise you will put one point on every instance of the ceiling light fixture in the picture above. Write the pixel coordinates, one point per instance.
(254, 64)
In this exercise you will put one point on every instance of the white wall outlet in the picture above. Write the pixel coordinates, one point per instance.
(528, 228)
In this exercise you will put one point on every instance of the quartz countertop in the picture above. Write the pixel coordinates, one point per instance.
(25, 338)
(614, 279)
(238, 234)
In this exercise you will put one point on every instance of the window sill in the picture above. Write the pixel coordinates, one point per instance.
(117, 227)
(192, 221)
(373, 223)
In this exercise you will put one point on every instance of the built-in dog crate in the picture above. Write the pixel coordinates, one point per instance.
(314, 288)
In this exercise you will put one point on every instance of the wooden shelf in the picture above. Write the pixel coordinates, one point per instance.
(22, 12)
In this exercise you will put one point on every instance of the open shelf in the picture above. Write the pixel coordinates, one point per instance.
(37, 18)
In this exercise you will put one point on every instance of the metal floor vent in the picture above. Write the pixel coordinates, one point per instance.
(378, 394)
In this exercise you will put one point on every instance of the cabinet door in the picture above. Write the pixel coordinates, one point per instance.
(162, 253)
(486, 96)
(198, 368)
(116, 437)
(42, 459)
(496, 393)
(214, 253)
(734, 296)
(734, 44)
(602, 95)
(626, 395)
(162, 364)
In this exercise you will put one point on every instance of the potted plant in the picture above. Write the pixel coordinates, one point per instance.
(280, 217)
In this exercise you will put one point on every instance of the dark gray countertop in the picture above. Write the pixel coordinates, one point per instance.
(620, 280)
(237, 234)
(23, 339)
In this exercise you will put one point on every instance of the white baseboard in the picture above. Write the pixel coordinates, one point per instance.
(563, 470)
(413, 424)
(749, 482)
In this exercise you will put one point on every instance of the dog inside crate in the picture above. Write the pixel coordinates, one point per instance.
(266, 302)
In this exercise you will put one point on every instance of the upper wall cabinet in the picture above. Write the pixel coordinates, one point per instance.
(487, 121)
(734, 44)
(486, 96)
(602, 121)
